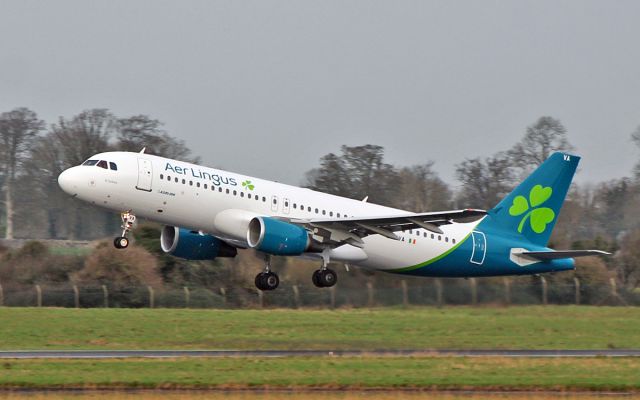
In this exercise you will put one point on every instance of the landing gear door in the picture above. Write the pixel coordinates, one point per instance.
(479, 247)
(145, 175)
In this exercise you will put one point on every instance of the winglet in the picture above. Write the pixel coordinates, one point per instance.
(142, 151)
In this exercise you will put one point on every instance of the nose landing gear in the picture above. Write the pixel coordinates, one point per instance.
(128, 220)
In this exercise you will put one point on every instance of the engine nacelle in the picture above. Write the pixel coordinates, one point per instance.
(233, 223)
(277, 237)
(191, 245)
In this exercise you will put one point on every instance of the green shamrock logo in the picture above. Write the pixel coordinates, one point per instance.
(248, 185)
(538, 217)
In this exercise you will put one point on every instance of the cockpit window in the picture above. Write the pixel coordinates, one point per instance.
(113, 166)
(90, 162)
(103, 164)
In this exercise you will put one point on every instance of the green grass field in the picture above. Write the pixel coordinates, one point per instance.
(567, 327)
(554, 327)
(591, 374)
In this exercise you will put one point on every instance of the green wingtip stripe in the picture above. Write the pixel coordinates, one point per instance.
(441, 256)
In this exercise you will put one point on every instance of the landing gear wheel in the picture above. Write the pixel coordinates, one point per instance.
(324, 278)
(259, 280)
(121, 242)
(315, 278)
(267, 281)
(271, 281)
(328, 277)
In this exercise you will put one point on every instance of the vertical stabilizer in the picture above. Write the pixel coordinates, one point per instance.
(532, 208)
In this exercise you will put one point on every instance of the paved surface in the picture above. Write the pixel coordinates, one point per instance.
(77, 354)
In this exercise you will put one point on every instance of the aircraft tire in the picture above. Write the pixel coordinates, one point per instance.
(121, 242)
(260, 281)
(328, 277)
(271, 281)
(315, 278)
(267, 281)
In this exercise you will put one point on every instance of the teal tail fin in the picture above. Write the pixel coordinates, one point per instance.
(532, 208)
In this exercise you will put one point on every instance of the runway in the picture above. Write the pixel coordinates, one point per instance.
(110, 354)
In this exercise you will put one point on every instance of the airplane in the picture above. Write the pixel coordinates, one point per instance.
(209, 213)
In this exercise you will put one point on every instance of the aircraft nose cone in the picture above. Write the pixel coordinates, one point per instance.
(67, 181)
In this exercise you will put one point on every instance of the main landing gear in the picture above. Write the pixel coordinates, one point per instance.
(324, 277)
(128, 220)
(267, 280)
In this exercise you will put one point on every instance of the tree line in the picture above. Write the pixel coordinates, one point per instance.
(33, 154)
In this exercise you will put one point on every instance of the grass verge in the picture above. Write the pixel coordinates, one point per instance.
(588, 374)
(552, 327)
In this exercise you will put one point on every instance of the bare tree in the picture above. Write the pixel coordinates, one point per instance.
(358, 172)
(18, 128)
(140, 131)
(635, 138)
(69, 143)
(484, 182)
(541, 139)
(420, 189)
(83, 135)
(629, 260)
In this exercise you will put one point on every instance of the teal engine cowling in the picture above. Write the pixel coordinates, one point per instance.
(192, 245)
(277, 237)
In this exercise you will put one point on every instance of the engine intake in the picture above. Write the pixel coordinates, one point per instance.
(192, 245)
(277, 237)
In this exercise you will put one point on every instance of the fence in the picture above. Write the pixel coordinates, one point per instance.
(431, 292)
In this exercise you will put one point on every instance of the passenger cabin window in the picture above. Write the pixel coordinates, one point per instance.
(113, 166)
(90, 162)
(102, 164)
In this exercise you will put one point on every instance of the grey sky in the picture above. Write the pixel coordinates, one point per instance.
(267, 87)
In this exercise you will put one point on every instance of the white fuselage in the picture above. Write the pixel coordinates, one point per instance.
(194, 197)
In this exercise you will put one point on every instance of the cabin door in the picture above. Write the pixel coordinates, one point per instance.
(479, 247)
(145, 175)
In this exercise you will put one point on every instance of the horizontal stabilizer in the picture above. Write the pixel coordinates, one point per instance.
(554, 255)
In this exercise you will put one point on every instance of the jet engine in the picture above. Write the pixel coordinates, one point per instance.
(277, 237)
(192, 245)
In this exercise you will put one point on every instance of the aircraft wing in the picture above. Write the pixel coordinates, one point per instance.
(352, 230)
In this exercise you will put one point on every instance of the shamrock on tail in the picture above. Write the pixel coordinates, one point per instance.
(538, 217)
(247, 185)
